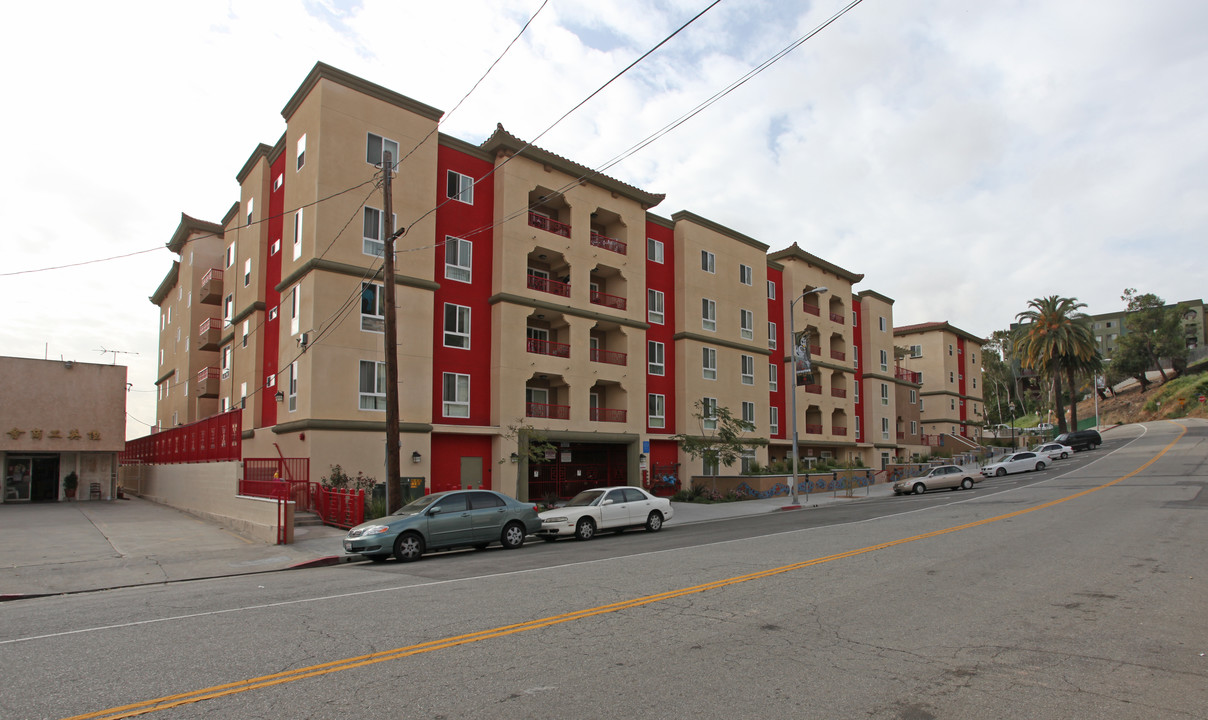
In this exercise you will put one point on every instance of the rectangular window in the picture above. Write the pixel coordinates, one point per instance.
(748, 412)
(373, 233)
(708, 412)
(246, 331)
(458, 256)
(746, 324)
(951, 376)
(228, 309)
(656, 412)
(298, 233)
(709, 363)
(855, 356)
(654, 250)
(251, 204)
(771, 336)
(773, 420)
(274, 248)
(247, 272)
(376, 148)
(913, 396)
(457, 326)
(882, 324)
(230, 255)
(771, 290)
(460, 187)
(242, 395)
(654, 307)
(884, 361)
(748, 369)
(855, 393)
(295, 310)
(373, 307)
(226, 361)
(855, 319)
(914, 427)
(655, 364)
(884, 428)
(916, 351)
(301, 151)
(455, 395)
(746, 275)
(708, 314)
(949, 349)
(272, 314)
(884, 394)
(372, 385)
(773, 377)
(708, 262)
(857, 427)
(278, 182)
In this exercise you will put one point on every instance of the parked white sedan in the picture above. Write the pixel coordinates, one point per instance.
(609, 508)
(1054, 451)
(1015, 462)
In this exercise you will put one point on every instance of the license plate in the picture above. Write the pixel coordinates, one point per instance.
(348, 546)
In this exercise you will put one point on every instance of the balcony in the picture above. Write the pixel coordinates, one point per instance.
(612, 301)
(839, 430)
(542, 222)
(608, 243)
(813, 429)
(904, 374)
(812, 309)
(211, 288)
(608, 356)
(901, 435)
(207, 382)
(838, 392)
(545, 347)
(550, 286)
(210, 333)
(838, 317)
(838, 355)
(542, 410)
(607, 415)
(815, 351)
(815, 389)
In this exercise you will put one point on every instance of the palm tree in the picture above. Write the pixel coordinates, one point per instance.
(1057, 340)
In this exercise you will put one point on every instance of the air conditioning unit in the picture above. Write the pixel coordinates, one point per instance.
(226, 373)
(303, 339)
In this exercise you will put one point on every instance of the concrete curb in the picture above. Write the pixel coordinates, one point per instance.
(325, 561)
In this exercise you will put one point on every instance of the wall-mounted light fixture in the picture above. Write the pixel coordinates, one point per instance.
(416, 457)
(280, 396)
(515, 457)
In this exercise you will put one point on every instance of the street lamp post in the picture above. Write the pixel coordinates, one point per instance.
(1011, 405)
(793, 387)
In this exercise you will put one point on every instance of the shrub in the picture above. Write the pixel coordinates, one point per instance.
(343, 481)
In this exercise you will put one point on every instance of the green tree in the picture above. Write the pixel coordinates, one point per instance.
(1154, 331)
(720, 442)
(1057, 341)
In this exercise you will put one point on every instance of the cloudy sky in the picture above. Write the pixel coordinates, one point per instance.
(966, 157)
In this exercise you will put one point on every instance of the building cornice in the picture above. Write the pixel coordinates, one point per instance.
(231, 214)
(323, 71)
(929, 326)
(347, 426)
(276, 151)
(165, 376)
(188, 226)
(357, 271)
(567, 309)
(660, 220)
(709, 340)
(166, 285)
(796, 253)
(261, 151)
(975, 398)
(464, 147)
(689, 216)
(874, 294)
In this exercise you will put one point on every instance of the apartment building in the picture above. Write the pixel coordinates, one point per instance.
(945, 359)
(1108, 327)
(535, 298)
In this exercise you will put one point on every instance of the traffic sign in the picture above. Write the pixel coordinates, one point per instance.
(1201, 399)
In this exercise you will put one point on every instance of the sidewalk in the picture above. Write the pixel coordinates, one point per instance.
(70, 547)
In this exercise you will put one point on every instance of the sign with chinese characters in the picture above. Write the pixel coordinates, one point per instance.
(56, 434)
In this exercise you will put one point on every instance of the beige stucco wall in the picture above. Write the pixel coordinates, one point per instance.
(54, 406)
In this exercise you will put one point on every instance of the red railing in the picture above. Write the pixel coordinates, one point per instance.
(545, 347)
(931, 440)
(209, 373)
(907, 375)
(608, 243)
(608, 356)
(612, 301)
(813, 429)
(550, 286)
(293, 472)
(816, 389)
(838, 430)
(838, 355)
(542, 222)
(837, 317)
(542, 410)
(209, 324)
(341, 508)
(815, 350)
(838, 392)
(607, 415)
(901, 435)
(812, 309)
(211, 274)
(215, 439)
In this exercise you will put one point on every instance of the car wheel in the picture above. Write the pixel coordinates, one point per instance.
(1000, 472)
(377, 558)
(513, 536)
(919, 488)
(1039, 466)
(1064, 455)
(654, 522)
(585, 529)
(408, 547)
(967, 484)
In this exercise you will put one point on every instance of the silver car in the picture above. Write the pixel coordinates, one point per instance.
(952, 477)
(1054, 450)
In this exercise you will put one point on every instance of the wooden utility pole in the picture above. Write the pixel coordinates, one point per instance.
(394, 494)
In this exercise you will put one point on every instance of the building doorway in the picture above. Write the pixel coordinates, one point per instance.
(44, 486)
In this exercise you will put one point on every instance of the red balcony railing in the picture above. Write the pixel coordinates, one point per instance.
(215, 439)
(542, 222)
(545, 347)
(210, 291)
(815, 389)
(838, 355)
(815, 350)
(612, 301)
(608, 356)
(210, 324)
(813, 429)
(901, 435)
(838, 430)
(550, 286)
(907, 375)
(542, 410)
(837, 317)
(607, 415)
(812, 309)
(608, 243)
(838, 392)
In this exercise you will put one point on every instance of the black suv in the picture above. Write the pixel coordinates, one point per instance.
(1081, 439)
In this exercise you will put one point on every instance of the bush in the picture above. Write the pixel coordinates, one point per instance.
(341, 480)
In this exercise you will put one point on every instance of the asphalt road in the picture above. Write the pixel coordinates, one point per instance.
(1077, 592)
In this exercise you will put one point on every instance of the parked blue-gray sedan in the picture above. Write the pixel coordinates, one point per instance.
(458, 518)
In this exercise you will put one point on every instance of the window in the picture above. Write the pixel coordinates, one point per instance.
(774, 420)
(228, 309)
(884, 361)
(748, 369)
(459, 187)
(748, 412)
(771, 336)
(884, 428)
(974, 383)
(298, 233)
(246, 331)
(709, 363)
(914, 427)
(295, 310)
(373, 307)
(274, 248)
(458, 255)
(374, 232)
(377, 147)
(247, 272)
(301, 151)
(710, 466)
(457, 326)
(455, 395)
(189, 299)
(855, 356)
(771, 290)
(654, 250)
(230, 255)
(913, 396)
(855, 319)
(973, 358)
(855, 392)
(952, 403)
(278, 182)
(884, 394)
(242, 395)
(949, 349)
(773, 377)
(745, 275)
(746, 324)
(655, 364)
(916, 351)
(226, 404)
(251, 204)
(951, 376)
(857, 427)
(654, 307)
(708, 262)
(272, 314)
(708, 314)
(656, 412)
(708, 413)
(226, 361)
(882, 324)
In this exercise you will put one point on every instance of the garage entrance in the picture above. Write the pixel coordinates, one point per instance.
(573, 467)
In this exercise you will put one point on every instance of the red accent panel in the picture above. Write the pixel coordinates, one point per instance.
(457, 219)
(777, 397)
(448, 450)
(661, 277)
(271, 262)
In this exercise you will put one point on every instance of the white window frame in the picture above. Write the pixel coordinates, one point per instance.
(464, 192)
(855, 398)
(247, 272)
(375, 321)
(746, 324)
(708, 413)
(884, 428)
(747, 369)
(708, 262)
(884, 394)
(655, 312)
(461, 268)
(708, 314)
(656, 410)
(460, 332)
(251, 208)
(708, 363)
(882, 323)
(884, 361)
(771, 336)
(295, 310)
(247, 324)
(656, 358)
(301, 153)
(914, 427)
(385, 142)
(748, 411)
(771, 290)
(457, 403)
(654, 250)
(374, 246)
(773, 377)
(773, 420)
(278, 181)
(858, 429)
(298, 220)
(913, 396)
(228, 309)
(746, 274)
(374, 397)
(230, 255)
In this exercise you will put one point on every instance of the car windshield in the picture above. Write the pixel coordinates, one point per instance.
(416, 506)
(585, 498)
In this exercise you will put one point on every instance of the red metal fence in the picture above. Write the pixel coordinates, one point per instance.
(293, 472)
(215, 439)
(341, 508)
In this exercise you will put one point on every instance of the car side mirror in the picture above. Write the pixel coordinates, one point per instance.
(434, 510)
(606, 502)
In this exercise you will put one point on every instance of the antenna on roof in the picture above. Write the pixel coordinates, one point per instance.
(115, 353)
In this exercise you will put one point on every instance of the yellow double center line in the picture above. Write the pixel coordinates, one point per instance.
(171, 701)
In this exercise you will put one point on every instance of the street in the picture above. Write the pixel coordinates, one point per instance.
(1077, 592)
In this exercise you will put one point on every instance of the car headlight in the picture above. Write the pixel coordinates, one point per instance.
(375, 530)
(554, 519)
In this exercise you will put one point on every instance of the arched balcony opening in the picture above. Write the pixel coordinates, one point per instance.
(608, 231)
(839, 422)
(548, 272)
(608, 287)
(608, 403)
(548, 211)
(546, 397)
(838, 347)
(838, 310)
(547, 333)
(608, 344)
